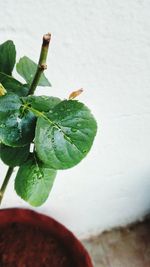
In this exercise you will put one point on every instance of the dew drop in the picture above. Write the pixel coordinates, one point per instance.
(18, 120)
(74, 130)
(2, 125)
(39, 177)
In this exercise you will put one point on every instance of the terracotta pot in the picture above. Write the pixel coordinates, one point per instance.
(29, 239)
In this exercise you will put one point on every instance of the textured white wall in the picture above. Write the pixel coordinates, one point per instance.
(104, 47)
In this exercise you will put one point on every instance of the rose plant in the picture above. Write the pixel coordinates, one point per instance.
(39, 134)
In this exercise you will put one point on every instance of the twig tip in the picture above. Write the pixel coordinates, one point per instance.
(47, 37)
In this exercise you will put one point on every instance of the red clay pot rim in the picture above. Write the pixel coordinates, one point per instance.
(19, 215)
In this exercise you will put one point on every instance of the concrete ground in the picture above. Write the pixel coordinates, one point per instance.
(123, 247)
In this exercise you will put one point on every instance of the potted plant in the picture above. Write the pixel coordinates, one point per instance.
(40, 135)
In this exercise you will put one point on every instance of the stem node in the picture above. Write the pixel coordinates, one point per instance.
(42, 63)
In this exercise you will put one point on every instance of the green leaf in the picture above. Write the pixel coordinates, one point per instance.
(65, 135)
(7, 57)
(42, 103)
(34, 181)
(12, 85)
(14, 156)
(17, 127)
(27, 69)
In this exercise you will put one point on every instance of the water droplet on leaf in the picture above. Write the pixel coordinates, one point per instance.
(2, 125)
(74, 130)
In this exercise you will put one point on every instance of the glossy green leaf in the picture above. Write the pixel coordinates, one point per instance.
(17, 127)
(34, 181)
(65, 135)
(7, 57)
(12, 85)
(42, 103)
(27, 69)
(14, 156)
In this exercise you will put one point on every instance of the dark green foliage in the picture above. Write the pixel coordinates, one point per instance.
(61, 131)
(16, 124)
(34, 181)
(7, 57)
(65, 135)
(41, 103)
(14, 156)
(12, 85)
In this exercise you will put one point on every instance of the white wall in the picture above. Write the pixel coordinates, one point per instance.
(104, 47)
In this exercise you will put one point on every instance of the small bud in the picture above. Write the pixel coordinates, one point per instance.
(75, 93)
(2, 90)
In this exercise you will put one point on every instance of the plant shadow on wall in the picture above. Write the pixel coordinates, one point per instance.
(61, 131)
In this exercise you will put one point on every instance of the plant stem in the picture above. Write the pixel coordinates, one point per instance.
(5, 182)
(42, 63)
